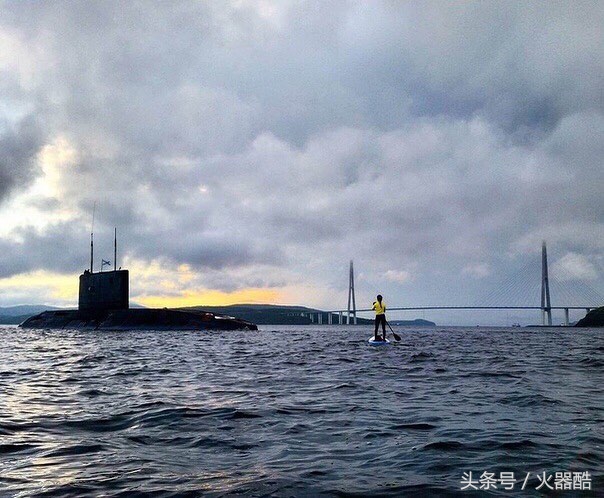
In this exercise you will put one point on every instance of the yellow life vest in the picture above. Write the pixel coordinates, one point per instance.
(379, 309)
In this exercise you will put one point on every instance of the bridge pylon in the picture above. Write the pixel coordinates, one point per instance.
(352, 310)
(546, 304)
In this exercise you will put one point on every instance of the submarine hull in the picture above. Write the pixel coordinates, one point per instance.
(132, 319)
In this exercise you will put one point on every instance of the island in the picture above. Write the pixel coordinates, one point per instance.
(595, 318)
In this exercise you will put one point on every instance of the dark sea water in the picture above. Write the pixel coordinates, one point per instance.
(290, 411)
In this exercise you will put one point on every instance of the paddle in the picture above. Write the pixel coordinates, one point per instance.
(396, 336)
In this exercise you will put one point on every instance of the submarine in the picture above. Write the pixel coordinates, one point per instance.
(103, 304)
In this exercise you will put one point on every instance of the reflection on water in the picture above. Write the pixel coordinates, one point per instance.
(290, 411)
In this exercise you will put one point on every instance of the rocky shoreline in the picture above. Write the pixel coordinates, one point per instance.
(595, 318)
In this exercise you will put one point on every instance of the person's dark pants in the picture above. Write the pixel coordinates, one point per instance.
(380, 319)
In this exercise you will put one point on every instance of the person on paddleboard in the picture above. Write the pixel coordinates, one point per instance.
(379, 307)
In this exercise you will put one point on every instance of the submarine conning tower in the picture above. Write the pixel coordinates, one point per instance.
(102, 291)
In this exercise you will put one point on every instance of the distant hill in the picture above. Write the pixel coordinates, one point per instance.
(418, 322)
(25, 309)
(264, 314)
(13, 315)
(13, 320)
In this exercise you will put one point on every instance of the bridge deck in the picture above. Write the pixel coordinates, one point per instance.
(415, 308)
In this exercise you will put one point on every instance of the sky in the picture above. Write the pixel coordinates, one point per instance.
(246, 151)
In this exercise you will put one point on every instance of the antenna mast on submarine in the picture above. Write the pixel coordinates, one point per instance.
(92, 238)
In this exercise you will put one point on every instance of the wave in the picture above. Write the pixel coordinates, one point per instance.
(16, 447)
(421, 357)
(77, 449)
(526, 400)
(415, 426)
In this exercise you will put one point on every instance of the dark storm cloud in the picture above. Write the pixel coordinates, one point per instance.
(201, 250)
(518, 64)
(60, 249)
(19, 145)
(65, 247)
(288, 137)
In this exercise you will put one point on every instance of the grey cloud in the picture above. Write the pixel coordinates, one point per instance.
(60, 248)
(516, 64)
(19, 146)
(513, 61)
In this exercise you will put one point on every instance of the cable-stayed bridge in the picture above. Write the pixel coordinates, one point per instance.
(578, 296)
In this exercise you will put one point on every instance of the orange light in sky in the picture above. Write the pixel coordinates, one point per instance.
(57, 286)
(209, 298)
(62, 290)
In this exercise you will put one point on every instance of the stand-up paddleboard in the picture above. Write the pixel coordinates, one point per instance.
(373, 342)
